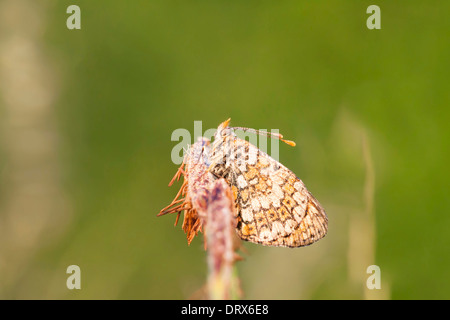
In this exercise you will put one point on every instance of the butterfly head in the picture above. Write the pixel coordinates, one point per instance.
(223, 130)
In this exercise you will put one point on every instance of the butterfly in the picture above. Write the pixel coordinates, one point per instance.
(272, 205)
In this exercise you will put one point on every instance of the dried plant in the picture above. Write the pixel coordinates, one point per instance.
(208, 206)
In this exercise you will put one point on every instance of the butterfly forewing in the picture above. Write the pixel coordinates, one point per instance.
(273, 205)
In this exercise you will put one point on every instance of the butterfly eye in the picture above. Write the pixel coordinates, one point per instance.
(225, 132)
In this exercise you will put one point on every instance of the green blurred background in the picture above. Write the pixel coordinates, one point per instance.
(87, 115)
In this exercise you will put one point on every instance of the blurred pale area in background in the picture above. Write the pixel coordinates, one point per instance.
(86, 118)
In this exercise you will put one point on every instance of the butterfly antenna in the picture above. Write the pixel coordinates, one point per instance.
(278, 136)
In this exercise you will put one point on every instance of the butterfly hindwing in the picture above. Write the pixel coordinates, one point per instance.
(273, 205)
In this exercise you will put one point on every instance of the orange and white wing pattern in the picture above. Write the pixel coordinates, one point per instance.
(273, 206)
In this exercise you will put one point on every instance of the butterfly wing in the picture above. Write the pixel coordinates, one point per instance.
(273, 205)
